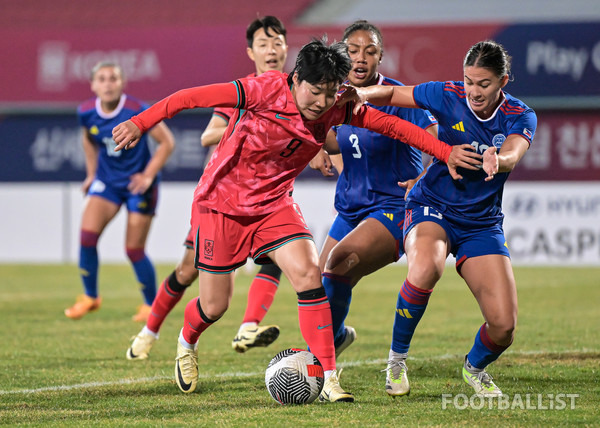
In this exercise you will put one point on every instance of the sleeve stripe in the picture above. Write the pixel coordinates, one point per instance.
(241, 94)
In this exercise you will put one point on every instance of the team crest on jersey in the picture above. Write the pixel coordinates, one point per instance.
(94, 130)
(498, 140)
(209, 248)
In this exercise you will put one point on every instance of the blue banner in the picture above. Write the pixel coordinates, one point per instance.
(47, 148)
(553, 60)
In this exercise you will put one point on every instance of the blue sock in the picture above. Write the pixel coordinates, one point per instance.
(88, 262)
(144, 272)
(339, 293)
(484, 350)
(411, 305)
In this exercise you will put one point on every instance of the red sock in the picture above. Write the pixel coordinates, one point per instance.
(314, 316)
(164, 302)
(260, 296)
(195, 322)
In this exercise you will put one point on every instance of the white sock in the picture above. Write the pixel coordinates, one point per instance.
(150, 332)
(184, 343)
(328, 373)
(246, 324)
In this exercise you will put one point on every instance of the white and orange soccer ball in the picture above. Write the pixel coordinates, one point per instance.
(294, 376)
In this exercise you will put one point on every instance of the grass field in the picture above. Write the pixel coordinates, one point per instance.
(58, 372)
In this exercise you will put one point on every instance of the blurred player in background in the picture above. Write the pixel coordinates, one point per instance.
(267, 47)
(463, 217)
(366, 234)
(242, 206)
(116, 178)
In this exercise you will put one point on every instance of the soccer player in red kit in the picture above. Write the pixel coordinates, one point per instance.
(267, 48)
(242, 205)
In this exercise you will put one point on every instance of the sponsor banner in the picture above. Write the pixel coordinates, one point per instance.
(553, 223)
(52, 66)
(40, 147)
(47, 148)
(554, 60)
(566, 146)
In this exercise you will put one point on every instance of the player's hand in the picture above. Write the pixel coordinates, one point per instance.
(463, 156)
(85, 186)
(323, 163)
(126, 135)
(139, 183)
(351, 93)
(490, 163)
(408, 184)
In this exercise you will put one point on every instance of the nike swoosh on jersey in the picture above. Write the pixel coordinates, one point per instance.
(322, 327)
(278, 116)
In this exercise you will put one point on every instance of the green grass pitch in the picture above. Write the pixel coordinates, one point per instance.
(59, 372)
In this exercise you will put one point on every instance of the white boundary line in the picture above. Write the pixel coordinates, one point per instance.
(261, 373)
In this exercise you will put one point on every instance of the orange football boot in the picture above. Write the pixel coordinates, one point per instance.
(82, 306)
(142, 314)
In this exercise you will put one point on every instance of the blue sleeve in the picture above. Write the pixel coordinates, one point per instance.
(525, 125)
(429, 96)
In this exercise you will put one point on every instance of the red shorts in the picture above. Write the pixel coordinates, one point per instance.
(224, 242)
(190, 239)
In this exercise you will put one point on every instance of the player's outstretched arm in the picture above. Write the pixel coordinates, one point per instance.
(126, 135)
(216, 95)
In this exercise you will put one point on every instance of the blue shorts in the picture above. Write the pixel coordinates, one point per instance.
(392, 220)
(464, 242)
(143, 204)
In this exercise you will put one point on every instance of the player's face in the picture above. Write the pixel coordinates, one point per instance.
(107, 84)
(483, 89)
(313, 100)
(268, 53)
(365, 52)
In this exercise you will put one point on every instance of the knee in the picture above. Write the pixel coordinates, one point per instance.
(341, 261)
(306, 279)
(425, 273)
(214, 310)
(502, 330)
(186, 274)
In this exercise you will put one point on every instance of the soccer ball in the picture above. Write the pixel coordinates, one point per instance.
(294, 376)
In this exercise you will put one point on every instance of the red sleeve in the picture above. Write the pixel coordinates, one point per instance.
(217, 95)
(400, 129)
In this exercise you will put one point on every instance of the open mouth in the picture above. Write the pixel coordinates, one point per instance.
(360, 72)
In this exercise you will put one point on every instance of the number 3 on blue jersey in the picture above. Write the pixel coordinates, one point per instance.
(354, 141)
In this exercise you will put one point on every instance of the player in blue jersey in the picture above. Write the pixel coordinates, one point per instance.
(115, 178)
(366, 234)
(462, 217)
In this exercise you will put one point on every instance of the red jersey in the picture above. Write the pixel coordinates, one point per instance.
(267, 142)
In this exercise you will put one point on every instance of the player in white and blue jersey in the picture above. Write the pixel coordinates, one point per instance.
(366, 234)
(114, 178)
(462, 217)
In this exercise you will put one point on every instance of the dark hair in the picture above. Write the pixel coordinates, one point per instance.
(491, 55)
(363, 25)
(267, 23)
(317, 63)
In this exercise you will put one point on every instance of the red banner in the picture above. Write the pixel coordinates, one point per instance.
(566, 146)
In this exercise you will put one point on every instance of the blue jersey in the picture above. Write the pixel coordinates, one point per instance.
(471, 201)
(114, 168)
(374, 163)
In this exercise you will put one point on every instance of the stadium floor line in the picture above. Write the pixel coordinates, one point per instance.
(261, 373)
